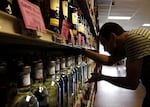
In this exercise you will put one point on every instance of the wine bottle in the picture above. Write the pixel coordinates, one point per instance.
(73, 19)
(53, 87)
(38, 88)
(24, 97)
(52, 15)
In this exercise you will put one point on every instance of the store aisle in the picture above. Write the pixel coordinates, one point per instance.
(109, 95)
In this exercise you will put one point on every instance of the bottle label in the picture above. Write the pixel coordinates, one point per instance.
(74, 31)
(63, 65)
(54, 22)
(54, 4)
(57, 66)
(74, 18)
(65, 29)
(65, 8)
(26, 79)
(52, 70)
(39, 74)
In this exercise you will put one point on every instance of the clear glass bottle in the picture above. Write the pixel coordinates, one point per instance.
(52, 85)
(71, 88)
(24, 97)
(38, 88)
(60, 81)
(64, 76)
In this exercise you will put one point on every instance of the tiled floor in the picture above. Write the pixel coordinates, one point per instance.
(109, 95)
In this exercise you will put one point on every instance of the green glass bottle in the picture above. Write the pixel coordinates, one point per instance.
(24, 97)
(38, 88)
(52, 85)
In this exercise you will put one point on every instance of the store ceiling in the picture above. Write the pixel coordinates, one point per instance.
(139, 10)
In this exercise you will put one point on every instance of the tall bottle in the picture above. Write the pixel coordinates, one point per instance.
(71, 86)
(38, 88)
(52, 85)
(52, 15)
(64, 76)
(73, 19)
(60, 81)
(24, 97)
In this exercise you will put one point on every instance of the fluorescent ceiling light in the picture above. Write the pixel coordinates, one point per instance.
(119, 17)
(146, 24)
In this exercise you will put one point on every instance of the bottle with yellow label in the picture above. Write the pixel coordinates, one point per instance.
(51, 15)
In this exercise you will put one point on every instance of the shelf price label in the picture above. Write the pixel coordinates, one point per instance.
(32, 16)
(65, 29)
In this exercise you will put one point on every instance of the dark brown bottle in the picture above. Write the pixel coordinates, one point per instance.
(51, 15)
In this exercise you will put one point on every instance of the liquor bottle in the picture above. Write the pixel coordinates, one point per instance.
(52, 85)
(71, 82)
(84, 70)
(65, 77)
(80, 76)
(3, 83)
(64, 8)
(60, 81)
(38, 88)
(73, 19)
(6, 6)
(24, 97)
(16, 9)
(75, 75)
(52, 15)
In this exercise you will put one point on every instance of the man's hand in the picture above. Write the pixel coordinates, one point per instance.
(95, 77)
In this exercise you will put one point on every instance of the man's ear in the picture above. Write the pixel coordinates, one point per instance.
(113, 36)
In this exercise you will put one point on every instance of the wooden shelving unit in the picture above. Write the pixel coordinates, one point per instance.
(13, 33)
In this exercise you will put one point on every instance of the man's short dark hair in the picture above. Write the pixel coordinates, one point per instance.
(110, 27)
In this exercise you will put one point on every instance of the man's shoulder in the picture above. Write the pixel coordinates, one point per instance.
(141, 32)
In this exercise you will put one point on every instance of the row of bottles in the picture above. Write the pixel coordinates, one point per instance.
(50, 82)
(61, 16)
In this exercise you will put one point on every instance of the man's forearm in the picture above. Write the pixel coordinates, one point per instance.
(103, 59)
(119, 81)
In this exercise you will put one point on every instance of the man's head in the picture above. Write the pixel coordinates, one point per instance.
(108, 36)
